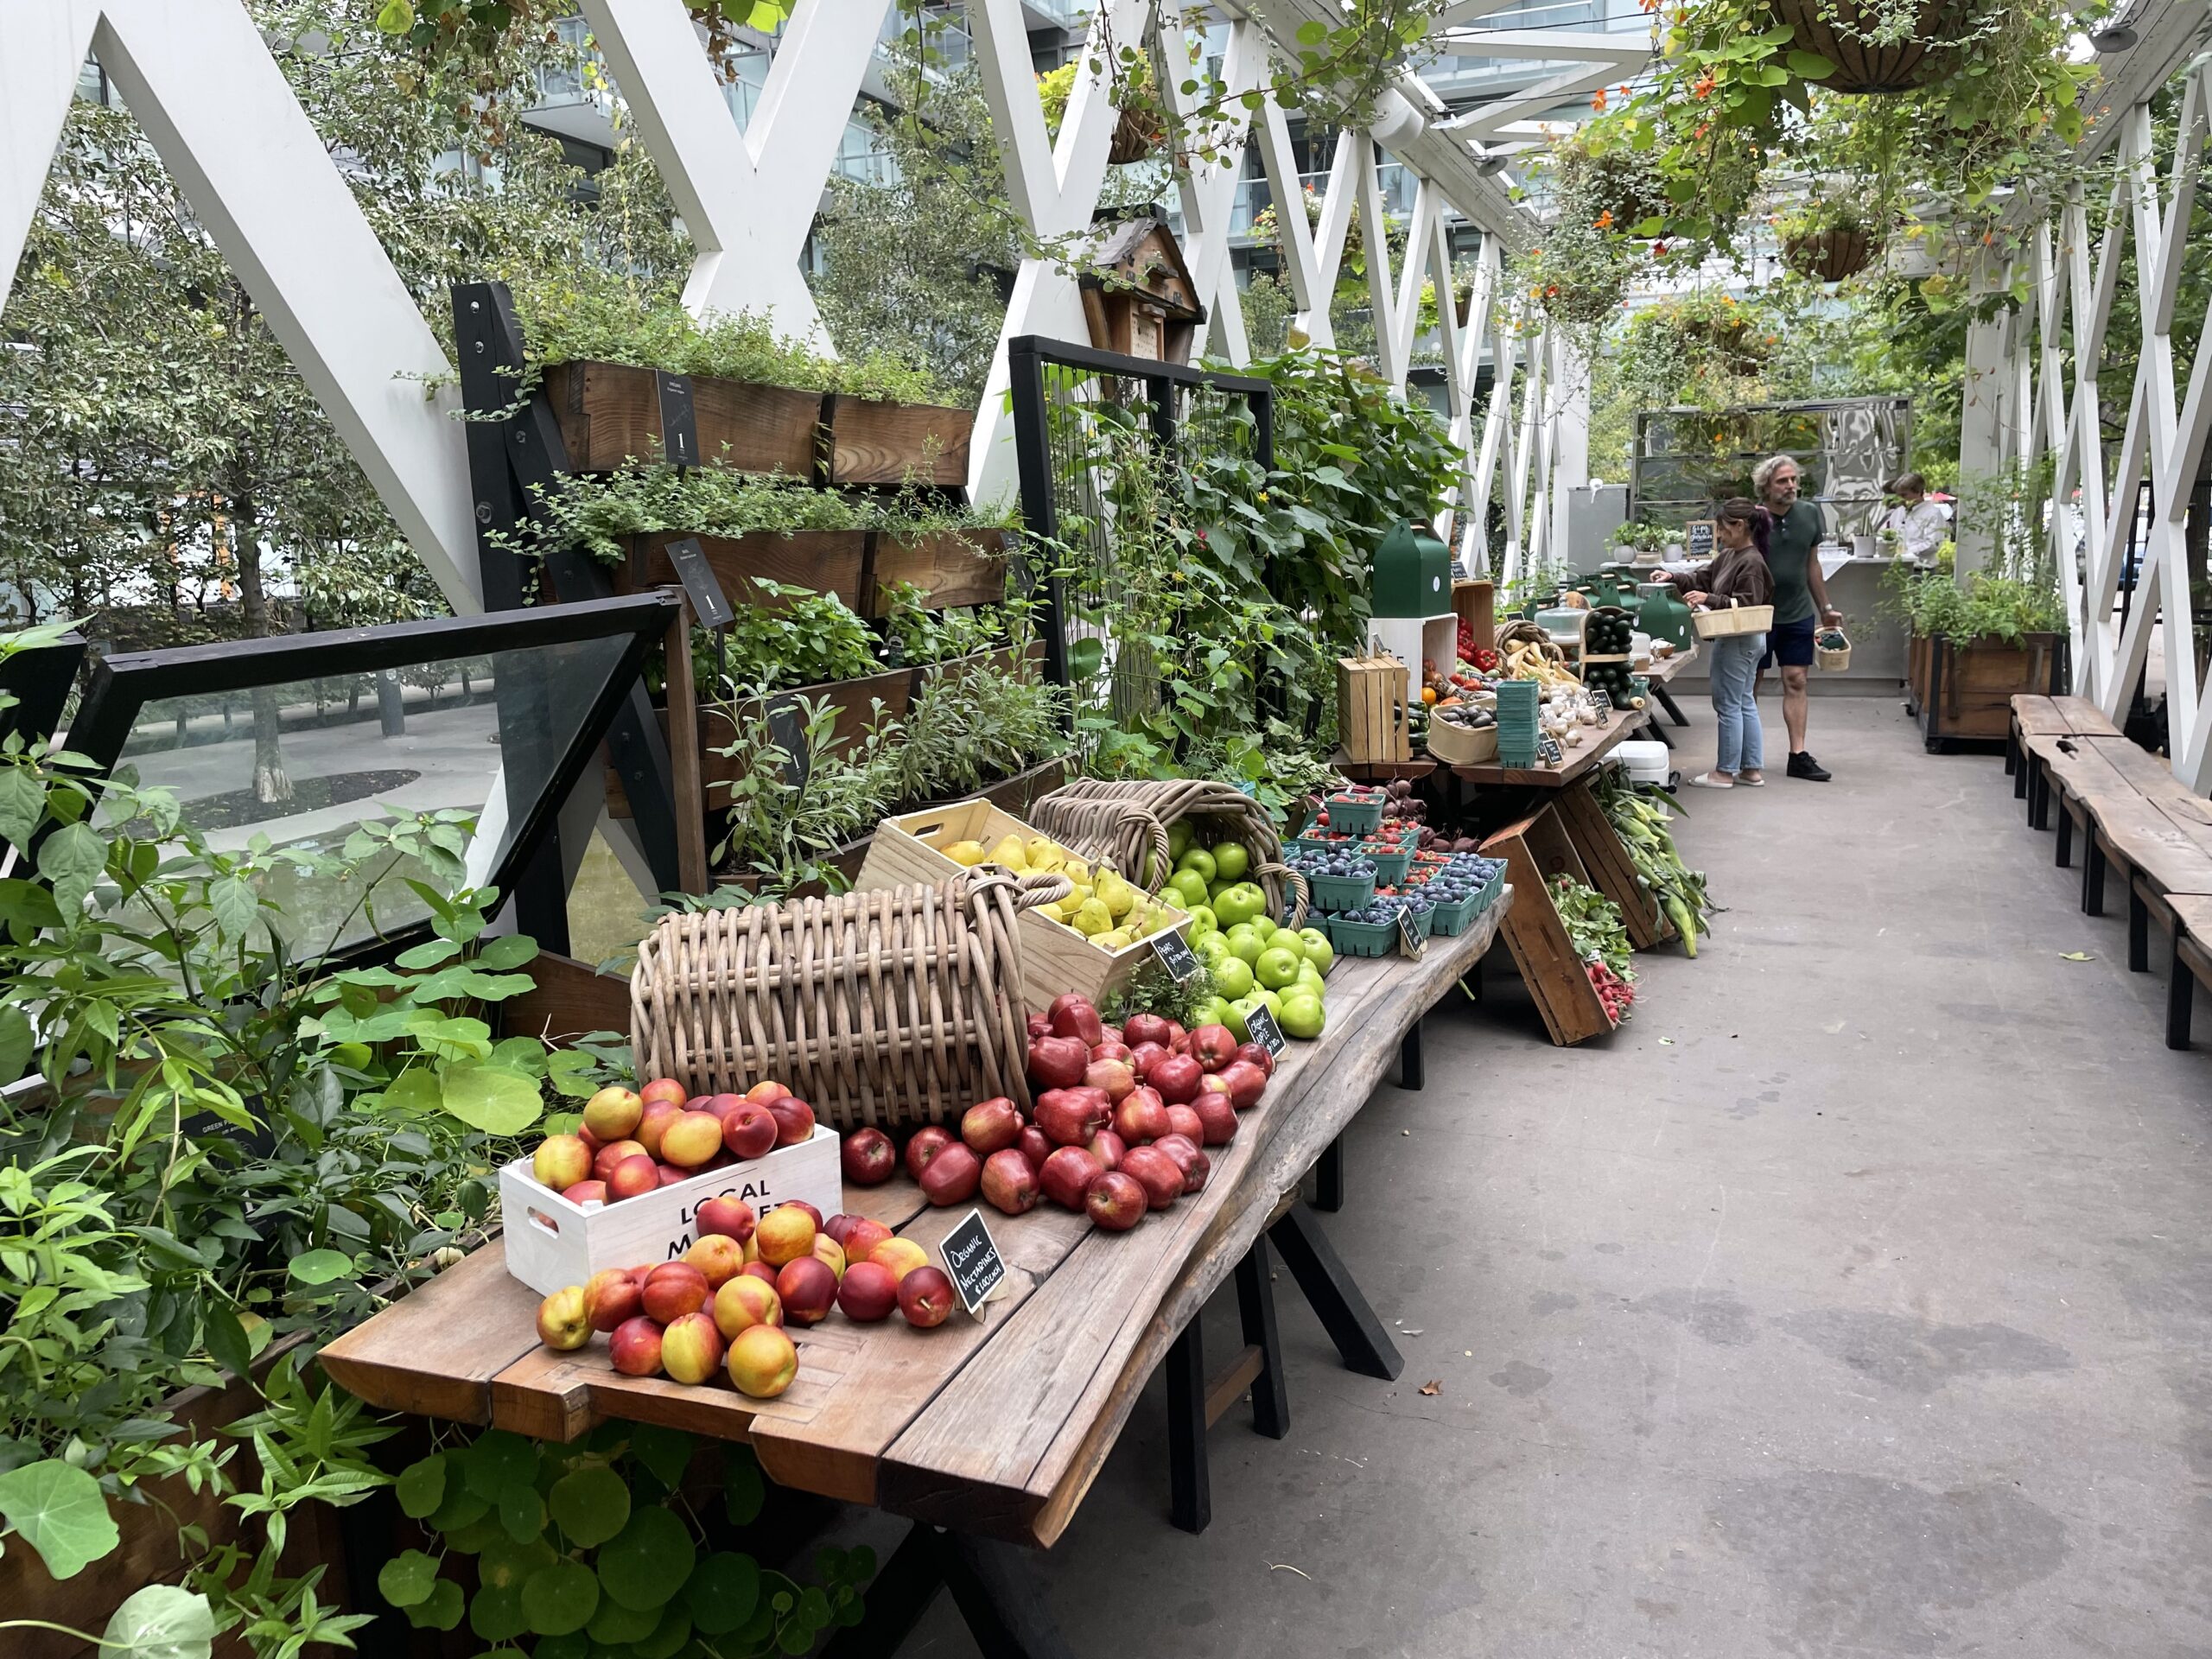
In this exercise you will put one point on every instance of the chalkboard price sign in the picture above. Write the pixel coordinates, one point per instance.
(1260, 1022)
(1175, 955)
(1411, 940)
(1602, 701)
(1697, 538)
(679, 426)
(972, 1262)
(1549, 752)
(709, 605)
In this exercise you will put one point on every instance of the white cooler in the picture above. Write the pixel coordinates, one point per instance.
(1648, 762)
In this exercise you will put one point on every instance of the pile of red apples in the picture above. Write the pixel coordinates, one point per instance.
(634, 1141)
(1120, 1125)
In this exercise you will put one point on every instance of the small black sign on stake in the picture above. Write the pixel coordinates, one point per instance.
(1601, 700)
(1548, 752)
(679, 426)
(704, 589)
(1411, 940)
(1261, 1023)
(791, 737)
(1175, 955)
(972, 1262)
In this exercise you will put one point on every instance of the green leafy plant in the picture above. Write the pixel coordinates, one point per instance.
(797, 638)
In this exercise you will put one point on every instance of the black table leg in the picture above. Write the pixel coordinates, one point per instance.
(2181, 992)
(2065, 835)
(2038, 796)
(2092, 872)
(1658, 729)
(1329, 1177)
(2013, 753)
(1667, 702)
(899, 1594)
(1255, 1308)
(1189, 1501)
(1336, 1300)
(993, 1584)
(2138, 931)
(1409, 1065)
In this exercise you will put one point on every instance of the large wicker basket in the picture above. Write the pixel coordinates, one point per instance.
(891, 1007)
(1121, 821)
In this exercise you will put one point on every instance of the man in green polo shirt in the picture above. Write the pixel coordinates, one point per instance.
(1801, 599)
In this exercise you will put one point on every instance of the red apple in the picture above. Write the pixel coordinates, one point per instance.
(1112, 1078)
(1176, 1079)
(749, 1131)
(1071, 1116)
(634, 1346)
(612, 1296)
(561, 1160)
(1186, 1121)
(661, 1088)
(1142, 1029)
(1073, 1015)
(1160, 1176)
(1247, 1083)
(794, 1120)
(868, 1293)
(691, 1348)
(1256, 1054)
(730, 1217)
(562, 1321)
(1144, 1057)
(585, 1192)
(1180, 1147)
(633, 1178)
(1108, 1033)
(612, 1113)
(1212, 1046)
(1065, 1174)
(809, 1290)
(1035, 1145)
(928, 1141)
(868, 1158)
(1009, 1185)
(1141, 1118)
(1194, 1178)
(1057, 1062)
(657, 1118)
(990, 1126)
(862, 1238)
(691, 1140)
(1039, 1026)
(1116, 1200)
(1216, 1119)
(925, 1298)
(604, 1160)
(1109, 1051)
(1107, 1147)
(719, 1256)
(673, 1289)
(952, 1176)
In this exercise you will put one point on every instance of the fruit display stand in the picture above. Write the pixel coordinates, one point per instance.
(1534, 849)
(994, 1426)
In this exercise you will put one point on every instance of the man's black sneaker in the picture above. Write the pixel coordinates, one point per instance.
(1802, 765)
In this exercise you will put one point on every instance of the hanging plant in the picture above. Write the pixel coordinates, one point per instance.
(1880, 47)
(1829, 240)
(1142, 125)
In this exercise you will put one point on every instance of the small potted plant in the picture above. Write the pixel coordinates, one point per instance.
(1830, 238)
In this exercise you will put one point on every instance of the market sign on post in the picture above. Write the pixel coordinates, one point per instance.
(1176, 956)
(973, 1263)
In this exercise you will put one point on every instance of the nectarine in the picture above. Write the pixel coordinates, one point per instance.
(762, 1361)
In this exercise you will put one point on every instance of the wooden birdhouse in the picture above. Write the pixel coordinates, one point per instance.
(1137, 293)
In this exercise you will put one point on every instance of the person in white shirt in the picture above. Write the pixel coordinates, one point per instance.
(1922, 525)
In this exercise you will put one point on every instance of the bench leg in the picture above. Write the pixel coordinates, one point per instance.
(2020, 770)
(2065, 835)
(1658, 729)
(993, 1584)
(1255, 1308)
(1410, 1065)
(2093, 873)
(1343, 1312)
(2038, 796)
(2181, 992)
(1329, 1177)
(2012, 752)
(1190, 1492)
(2138, 932)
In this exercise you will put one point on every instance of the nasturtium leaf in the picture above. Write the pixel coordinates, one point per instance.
(522, 1512)
(408, 1579)
(795, 1639)
(227, 1342)
(648, 1560)
(573, 1645)
(320, 1267)
(441, 1611)
(460, 1508)
(58, 1509)
(665, 1452)
(162, 1621)
(492, 1099)
(414, 1090)
(498, 1460)
(723, 1592)
(16, 1043)
(668, 1637)
(506, 1562)
(429, 954)
(495, 1613)
(421, 1486)
(523, 1054)
(1313, 32)
(501, 954)
(617, 1625)
(559, 1599)
(573, 1072)
(743, 1490)
(1809, 65)
(589, 1506)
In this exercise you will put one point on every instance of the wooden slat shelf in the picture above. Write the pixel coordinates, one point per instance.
(997, 1426)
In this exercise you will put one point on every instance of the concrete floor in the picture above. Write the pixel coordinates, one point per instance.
(1855, 1298)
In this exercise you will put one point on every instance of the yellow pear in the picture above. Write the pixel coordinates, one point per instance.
(1119, 939)
(1011, 853)
(1075, 871)
(968, 854)
(1094, 918)
(1044, 855)
(1117, 895)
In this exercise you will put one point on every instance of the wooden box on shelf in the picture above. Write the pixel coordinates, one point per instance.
(868, 441)
(1475, 604)
(1536, 850)
(610, 416)
(953, 568)
(1054, 958)
(1372, 723)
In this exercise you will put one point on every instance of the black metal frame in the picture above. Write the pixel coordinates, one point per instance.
(39, 678)
(1026, 358)
(123, 685)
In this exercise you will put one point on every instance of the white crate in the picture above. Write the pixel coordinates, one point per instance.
(552, 1243)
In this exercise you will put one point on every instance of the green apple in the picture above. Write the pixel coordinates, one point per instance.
(1186, 890)
(1301, 1017)
(1200, 861)
(1231, 858)
(1211, 1012)
(1273, 999)
(1179, 837)
(1315, 943)
(1310, 977)
(1203, 922)
(1245, 942)
(1240, 903)
(1278, 966)
(1212, 948)
(1232, 1016)
(1232, 978)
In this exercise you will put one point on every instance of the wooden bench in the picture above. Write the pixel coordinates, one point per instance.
(2134, 816)
(2041, 717)
(993, 1428)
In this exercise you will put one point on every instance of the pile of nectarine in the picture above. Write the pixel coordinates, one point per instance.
(725, 1303)
(635, 1141)
(1120, 1120)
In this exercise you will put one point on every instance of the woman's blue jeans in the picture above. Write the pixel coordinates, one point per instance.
(1734, 673)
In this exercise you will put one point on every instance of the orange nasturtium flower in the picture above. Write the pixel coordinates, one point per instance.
(1598, 100)
(1703, 86)
(1604, 221)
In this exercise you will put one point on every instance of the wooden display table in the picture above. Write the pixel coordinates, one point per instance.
(995, 1426)
(1598, 742)
(1661, 674)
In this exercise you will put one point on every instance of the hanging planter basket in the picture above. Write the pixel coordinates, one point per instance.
(1830, 256)
(1837, 29)
(1136, 138)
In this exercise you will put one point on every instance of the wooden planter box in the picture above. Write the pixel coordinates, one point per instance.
(1967, 693)
(610, 416)
(953, 568)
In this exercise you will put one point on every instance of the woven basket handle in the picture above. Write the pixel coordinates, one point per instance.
(1041, 888)
(1294, 885)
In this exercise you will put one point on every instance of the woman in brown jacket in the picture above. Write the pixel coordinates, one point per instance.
(1738, 571)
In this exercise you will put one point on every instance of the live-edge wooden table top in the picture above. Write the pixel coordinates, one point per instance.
(995, 1427)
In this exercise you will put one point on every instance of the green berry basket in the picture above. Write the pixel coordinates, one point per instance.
(1355, 814)
(1362, 939)
(1391, 862)
(1452, 920)
(1341, 892)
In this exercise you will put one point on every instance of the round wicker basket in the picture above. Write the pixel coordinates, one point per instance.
(1120, 821)
(891, 1007)
(1838, 30)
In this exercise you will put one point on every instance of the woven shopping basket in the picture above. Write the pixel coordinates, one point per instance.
(1735, 619)
(1120, 823)
(888, 1008)
(1832, 659)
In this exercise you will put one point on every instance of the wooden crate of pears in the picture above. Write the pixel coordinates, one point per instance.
(1093, 942)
